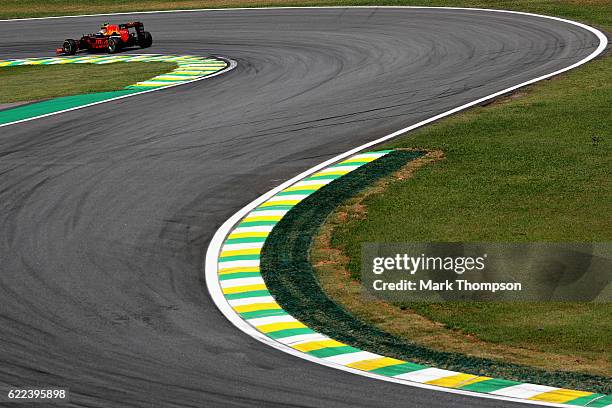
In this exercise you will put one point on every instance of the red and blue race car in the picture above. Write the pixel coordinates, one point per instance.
(111, 38)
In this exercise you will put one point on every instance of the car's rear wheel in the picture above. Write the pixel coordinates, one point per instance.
(69, 47)
(113, 45)
(145, 40)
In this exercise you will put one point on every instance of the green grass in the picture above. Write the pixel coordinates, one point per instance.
(525, 170)
(595, 11)
(572, 329)
(287, 269)
(23, 83)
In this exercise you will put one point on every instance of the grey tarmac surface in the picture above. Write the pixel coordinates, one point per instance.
(106, 212)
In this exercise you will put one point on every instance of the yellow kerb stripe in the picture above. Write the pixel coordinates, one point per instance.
(317, 345)
(263, 218)
(560, 396)
(457, 380)
(369, 365)
(226, 271)
(300, 188)
(331, 173)
(285, 202)
(172, 77)
(359, 160)
(268, 328)
(257, 306)
(250, 251)
(247, 288)
(248, 235)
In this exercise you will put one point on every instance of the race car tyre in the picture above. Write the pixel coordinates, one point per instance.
(69, 47)
(113, 45)
(145, 40)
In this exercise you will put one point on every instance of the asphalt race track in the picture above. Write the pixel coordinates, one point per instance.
(106, 212)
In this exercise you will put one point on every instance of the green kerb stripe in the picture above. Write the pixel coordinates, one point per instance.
(582, 401)
(274, 207)
(263, 313)
(256, 223)
(332, 351)
(290, 332)
(398, 369)
(245, 295)
(302, 192)
(57, 105)
(597, 403)
(239, 258)
(244, 240)
(326, 177)
(491, 385)
(357, 163)
(237, 275)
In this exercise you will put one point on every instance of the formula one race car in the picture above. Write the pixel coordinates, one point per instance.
(111, 38)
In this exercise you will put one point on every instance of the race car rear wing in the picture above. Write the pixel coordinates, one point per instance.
(136, 24)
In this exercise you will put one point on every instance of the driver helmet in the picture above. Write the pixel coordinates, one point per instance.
(103, 28)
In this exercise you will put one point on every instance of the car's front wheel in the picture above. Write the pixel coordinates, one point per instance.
(145, 40)
(113, 45)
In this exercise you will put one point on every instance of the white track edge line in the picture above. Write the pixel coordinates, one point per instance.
(214, 247)
(231, 65)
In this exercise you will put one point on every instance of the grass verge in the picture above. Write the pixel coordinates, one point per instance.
(289, 276)
(525, 169)
(22, 83)
(562, 327)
